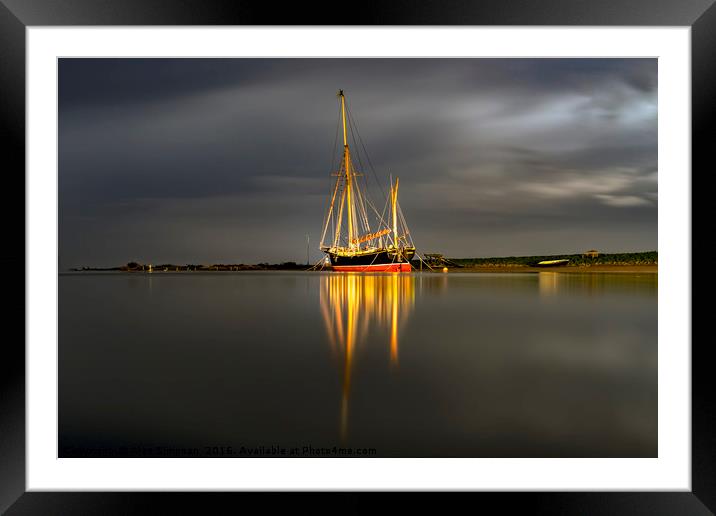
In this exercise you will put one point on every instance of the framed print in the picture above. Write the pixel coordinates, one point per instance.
(414, 252)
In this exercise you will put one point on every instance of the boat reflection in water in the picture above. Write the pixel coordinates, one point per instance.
(356, 305)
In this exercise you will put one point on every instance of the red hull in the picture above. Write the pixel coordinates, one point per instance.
(384, 267)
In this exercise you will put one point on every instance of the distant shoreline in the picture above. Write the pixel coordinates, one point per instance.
(505, 269)
(494, 269)
(648, 269)
(593, 261)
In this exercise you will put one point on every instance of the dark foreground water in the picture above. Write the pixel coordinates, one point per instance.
(321, 364)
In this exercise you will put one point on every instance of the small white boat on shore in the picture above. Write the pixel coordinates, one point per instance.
(552, 263)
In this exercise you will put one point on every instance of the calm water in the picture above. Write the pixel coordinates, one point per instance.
(230, 364)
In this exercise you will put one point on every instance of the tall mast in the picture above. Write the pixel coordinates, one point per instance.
(343, 112)
(347, 163)
(394, 203)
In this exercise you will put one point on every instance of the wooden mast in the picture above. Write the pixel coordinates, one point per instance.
(350, 210)
(394, 203)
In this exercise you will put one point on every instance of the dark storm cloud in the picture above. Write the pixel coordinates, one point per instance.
(208, 160)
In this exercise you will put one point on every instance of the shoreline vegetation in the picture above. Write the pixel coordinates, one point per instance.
(586, 262)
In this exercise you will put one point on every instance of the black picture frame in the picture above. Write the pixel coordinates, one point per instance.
(16, 15)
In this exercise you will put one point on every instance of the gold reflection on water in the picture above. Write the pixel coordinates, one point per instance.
(554, 285)
(353, 304)
(548, 283)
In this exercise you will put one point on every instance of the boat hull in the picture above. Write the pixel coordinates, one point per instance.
(378, 261)
(552, 263)
(388, 267)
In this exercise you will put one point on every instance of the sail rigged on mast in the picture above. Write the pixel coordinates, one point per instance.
(361, 238)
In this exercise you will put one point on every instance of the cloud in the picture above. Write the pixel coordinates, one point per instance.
(623, 201)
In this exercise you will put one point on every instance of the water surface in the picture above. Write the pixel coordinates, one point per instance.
(390, 365)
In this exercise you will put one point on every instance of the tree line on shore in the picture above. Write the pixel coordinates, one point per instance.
(643, 258)
(190, 267)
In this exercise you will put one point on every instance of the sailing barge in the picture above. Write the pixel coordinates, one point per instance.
(370, 241)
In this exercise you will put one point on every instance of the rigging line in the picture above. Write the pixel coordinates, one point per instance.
(359, 198)
(367, 156)
(326, 213)
(364, 197)
(424, 262)
(351, 126)
(334, 218)
(335, 139)
(354, 131)
(367, 197)
(320, 262)
(406, 232)
(337, 237)
(364, 213)
(325, 226)
(337, 219)
(401, 218)
(365, 268)
(330, 215)
(375, 210)
(364, 201)
(382, 216)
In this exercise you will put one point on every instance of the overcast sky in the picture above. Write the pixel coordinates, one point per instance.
(228, 160)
